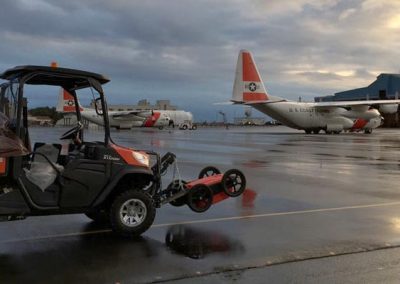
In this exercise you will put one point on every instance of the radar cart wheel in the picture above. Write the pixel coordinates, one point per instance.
(200, 198)
(233, 182)
(209, 171)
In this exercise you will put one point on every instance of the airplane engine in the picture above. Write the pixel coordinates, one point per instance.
(374, 123)
(364, 114)
(334, 127)
(388, 109)
(338, 124)
(124, 125)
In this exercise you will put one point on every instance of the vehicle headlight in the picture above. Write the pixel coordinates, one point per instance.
(141, 158)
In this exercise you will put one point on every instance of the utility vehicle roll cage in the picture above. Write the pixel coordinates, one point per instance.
(70, 80)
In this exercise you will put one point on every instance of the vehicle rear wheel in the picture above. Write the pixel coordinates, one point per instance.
(200, 198)
(98, 216)
(209, 171)
(132, 213)
(233, 182)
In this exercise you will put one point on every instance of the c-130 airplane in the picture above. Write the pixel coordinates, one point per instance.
(312, 117)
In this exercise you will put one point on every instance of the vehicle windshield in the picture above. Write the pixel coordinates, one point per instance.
(8, 100)
(51, 112)
(10, 144)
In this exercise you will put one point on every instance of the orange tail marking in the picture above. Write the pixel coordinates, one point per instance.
(69, 102)
(249, 69)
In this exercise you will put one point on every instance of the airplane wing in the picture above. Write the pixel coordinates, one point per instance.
(355, 103)
(131, 115)
(258, 102)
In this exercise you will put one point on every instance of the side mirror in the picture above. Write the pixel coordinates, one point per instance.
(98, 106)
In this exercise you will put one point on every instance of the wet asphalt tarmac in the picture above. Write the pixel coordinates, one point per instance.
(311, 201)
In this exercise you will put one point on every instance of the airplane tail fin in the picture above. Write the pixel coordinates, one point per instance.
(66, 102)
(248, 86)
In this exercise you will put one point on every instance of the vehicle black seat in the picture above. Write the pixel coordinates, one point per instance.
(43, 168)
(51, 151)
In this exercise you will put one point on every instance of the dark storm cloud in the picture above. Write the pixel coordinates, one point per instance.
(187, 50)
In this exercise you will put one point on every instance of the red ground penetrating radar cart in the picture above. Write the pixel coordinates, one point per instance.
(210, 188)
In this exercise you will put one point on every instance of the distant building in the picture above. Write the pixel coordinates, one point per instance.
(385, 87)
(249, 120)
(40, 120)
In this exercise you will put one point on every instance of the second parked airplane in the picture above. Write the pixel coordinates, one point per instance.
(118, 119)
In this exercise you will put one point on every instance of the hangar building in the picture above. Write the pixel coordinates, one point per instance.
(386, 86)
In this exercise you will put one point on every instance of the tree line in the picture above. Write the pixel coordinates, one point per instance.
(46, 111)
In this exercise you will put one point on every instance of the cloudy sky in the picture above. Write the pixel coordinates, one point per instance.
(186, 51)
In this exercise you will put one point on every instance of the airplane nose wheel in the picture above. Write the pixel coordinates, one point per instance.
(200, 198)
(209, 171)
(233, 182)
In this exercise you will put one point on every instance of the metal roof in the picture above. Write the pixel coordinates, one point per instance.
(390, 83)
(45, 75)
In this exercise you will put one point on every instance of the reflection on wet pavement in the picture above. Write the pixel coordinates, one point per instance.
(197, 243)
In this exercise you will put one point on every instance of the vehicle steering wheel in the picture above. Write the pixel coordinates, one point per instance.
(71, 134)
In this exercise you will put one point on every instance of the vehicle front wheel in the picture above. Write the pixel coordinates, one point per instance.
(132, 213)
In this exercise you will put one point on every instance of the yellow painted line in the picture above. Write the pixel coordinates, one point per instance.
(288, 213)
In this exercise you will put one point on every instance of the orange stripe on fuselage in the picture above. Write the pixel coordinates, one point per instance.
(151, 120)
(249, 69)
(360, 123)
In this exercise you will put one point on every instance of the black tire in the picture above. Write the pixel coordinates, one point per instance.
(174, 187)
(200, 198)
(209, 171)
(233, 182)
(194, 127)
(132, 213)
(315, 131)
(184, 127)
(98, 216)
